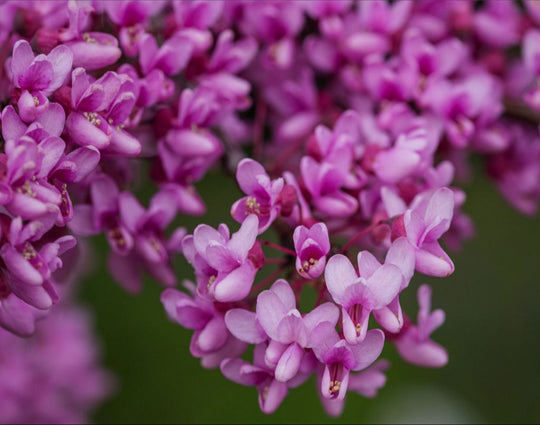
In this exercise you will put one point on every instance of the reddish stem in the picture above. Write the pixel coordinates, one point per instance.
(268, 279)
(358, 236)
(275, 260)
(321, 295)
(280, 160)
(279, 247)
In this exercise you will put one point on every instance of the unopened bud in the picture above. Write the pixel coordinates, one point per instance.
(288, 199)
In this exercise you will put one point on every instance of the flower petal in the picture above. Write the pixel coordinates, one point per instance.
(368, 350)
(236, 285)
(339, 275)
(242, 324)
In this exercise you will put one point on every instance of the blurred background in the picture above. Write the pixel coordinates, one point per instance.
(492, 334)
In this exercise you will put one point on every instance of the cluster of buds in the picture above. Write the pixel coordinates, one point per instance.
(349, 126)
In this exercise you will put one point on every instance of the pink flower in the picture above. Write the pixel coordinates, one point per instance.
(262, 194)
(428, 218)
(271, 391)
(42, 73)
(100, 111)
(376, 287)
(55, 376)
(366, 382)
(288, 331)
(413, 343)
(211, 341)
(222, 265)
(311, 246)
(324, 182)
(339, 357)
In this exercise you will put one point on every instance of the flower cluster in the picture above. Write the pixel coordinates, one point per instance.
(53, 377)
(349, 126)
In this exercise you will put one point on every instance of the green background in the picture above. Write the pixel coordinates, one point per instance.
(491, 333)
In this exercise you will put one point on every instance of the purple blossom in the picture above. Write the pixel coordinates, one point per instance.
(25, 189)
(91, 49)
(171, 57)
(211, 341)
(129, 13)
(40, 75)
(263, 193)
(135, 234)
(100, 111)
(222, 265)
(55, 376)
(271, 391)
(324, 182)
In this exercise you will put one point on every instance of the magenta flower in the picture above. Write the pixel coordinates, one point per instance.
(91, 49)
(135, 234)
(531, 60)
(199, 14)
(262, 194)
(222, 265)
(401, 160)
(465, 106)
(231, 56)
(100, 111)
(54, 376)
(38, 77)
(324, 182)
(497, 23)
(211, 340)
(340, 357)
(41, 74)
(49, 123)
(129, 13)
(29, 270)
(311, 246)
(24, 188)
(171, 57)
(271, 391)
(413, 343)
(15, 315)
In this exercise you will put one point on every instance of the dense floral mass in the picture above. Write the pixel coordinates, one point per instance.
(348, 126)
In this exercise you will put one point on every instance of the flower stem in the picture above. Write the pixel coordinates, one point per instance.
(322, 292)
(275, 260)
(278, 247)
(269, 279)
(358, 236)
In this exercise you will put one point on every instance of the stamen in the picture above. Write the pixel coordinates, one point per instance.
(210, 282)
(93, 118)
(252, 206)
(265, 391)
(117, 237)
(334, 387)
(26, 189)
(28, 252)
(86, 37)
